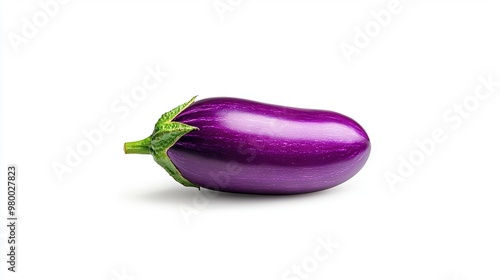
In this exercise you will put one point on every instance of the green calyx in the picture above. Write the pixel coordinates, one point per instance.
(166, 133)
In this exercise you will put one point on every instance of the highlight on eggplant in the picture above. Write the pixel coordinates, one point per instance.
(243, 146)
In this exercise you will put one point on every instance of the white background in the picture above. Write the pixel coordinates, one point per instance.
(117, 216)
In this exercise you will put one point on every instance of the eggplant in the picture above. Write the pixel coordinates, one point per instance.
(243, 146)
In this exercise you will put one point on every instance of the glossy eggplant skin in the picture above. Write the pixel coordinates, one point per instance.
(244, 146)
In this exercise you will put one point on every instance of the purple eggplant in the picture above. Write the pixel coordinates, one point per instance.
(243, 146)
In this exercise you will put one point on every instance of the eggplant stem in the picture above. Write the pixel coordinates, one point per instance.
(138, 147)
(165, 134)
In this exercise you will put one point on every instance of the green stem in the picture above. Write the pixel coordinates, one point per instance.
(138, 147)
(165, 134)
